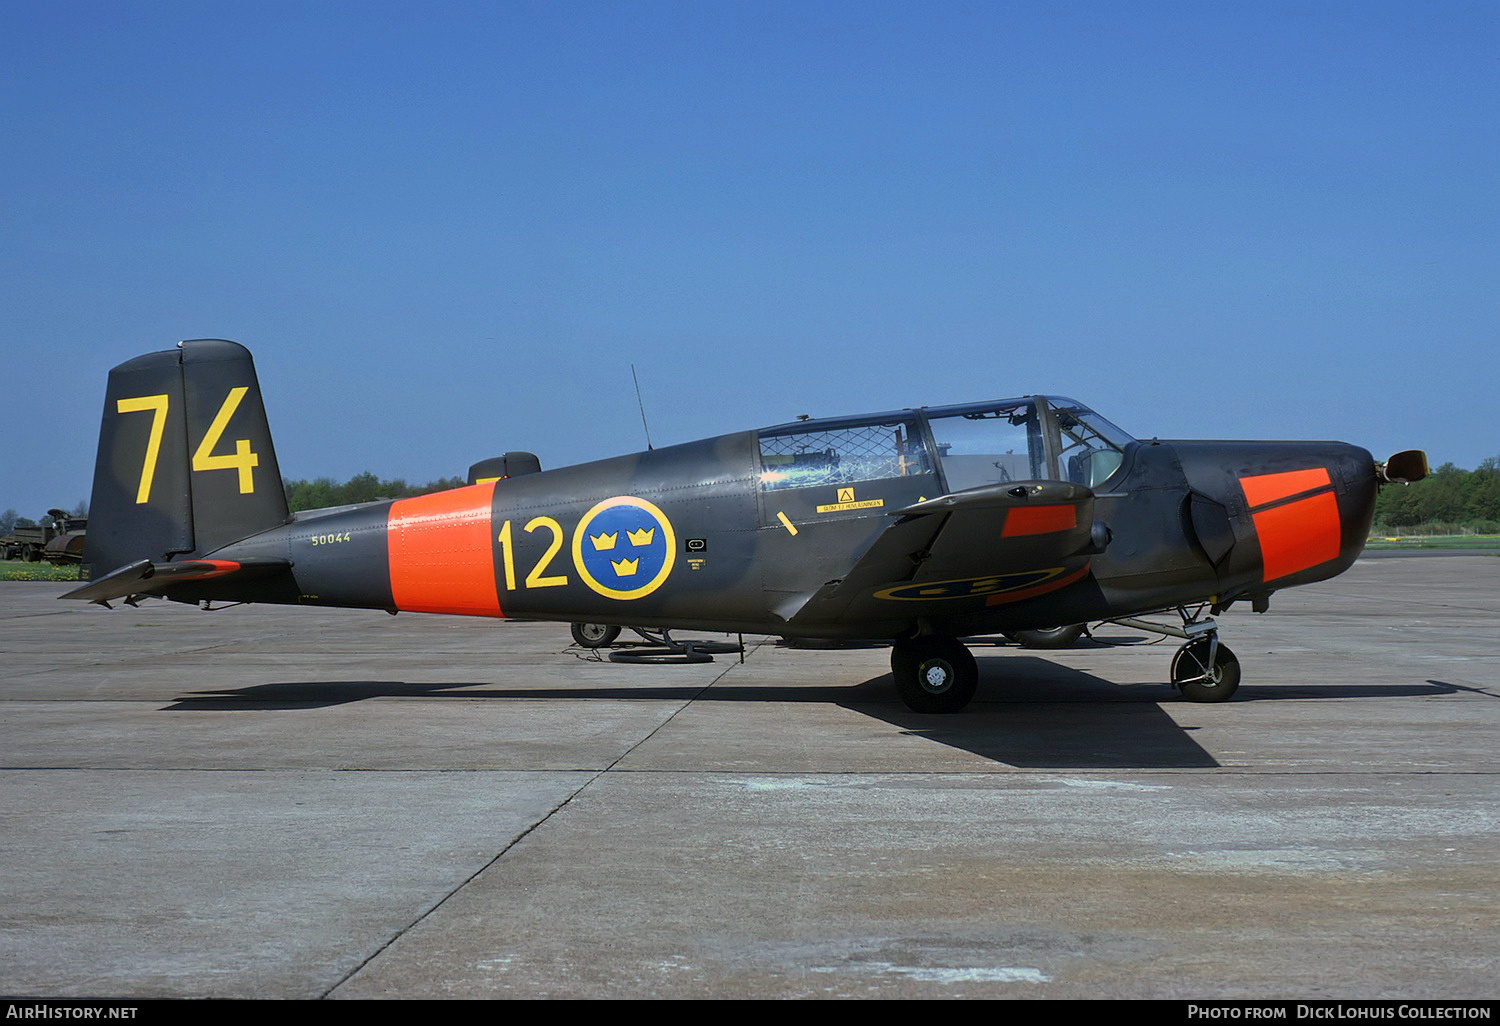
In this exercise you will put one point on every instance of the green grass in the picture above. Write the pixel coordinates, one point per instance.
(1441, 541)
(17, 570)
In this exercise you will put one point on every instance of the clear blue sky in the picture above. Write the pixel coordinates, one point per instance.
(448, 229)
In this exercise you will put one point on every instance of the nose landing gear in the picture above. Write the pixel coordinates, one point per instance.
(1203, 669)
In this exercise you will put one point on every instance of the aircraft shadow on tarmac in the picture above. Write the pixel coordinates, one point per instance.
(1030, 712)
(1090, 723)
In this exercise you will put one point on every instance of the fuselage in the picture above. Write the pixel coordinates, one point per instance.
(797, 530)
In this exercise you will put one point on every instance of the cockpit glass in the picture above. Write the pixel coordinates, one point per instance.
(1090, 448)
(841, 455)
(989, 445)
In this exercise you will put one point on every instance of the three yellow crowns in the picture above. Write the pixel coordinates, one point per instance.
(605, 542)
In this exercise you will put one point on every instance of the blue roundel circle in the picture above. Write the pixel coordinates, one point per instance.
(624, 548)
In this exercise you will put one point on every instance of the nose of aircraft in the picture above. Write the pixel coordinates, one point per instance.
(1296, 512)
(1312, 523)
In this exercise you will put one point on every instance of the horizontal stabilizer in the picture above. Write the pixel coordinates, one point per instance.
(147, 578)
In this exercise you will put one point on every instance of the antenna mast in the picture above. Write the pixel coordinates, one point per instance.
(641, 403)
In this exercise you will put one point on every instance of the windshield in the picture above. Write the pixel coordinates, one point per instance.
(1090, 448)
(1029, 439)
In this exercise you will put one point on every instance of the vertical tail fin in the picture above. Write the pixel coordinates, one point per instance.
(185, 462)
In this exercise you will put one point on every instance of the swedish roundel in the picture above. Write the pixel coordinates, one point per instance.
(624, 548)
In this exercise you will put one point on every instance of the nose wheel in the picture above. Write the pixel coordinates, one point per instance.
(934, 674)
(1205, 671)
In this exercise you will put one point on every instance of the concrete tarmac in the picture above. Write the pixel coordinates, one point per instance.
(271, 802)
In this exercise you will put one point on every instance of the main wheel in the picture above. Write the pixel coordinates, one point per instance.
(934, 675)
(1200, 682)
(594, 635)
(1047, 637)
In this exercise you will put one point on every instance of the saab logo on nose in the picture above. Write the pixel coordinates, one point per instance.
(624, 548)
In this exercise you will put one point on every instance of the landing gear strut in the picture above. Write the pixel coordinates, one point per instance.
(934, 674)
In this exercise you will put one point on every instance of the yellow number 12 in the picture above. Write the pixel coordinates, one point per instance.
(535, 579)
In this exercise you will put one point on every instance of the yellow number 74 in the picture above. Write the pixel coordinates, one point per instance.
(242, 459)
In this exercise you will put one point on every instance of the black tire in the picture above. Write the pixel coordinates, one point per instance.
(1047, 637)
(1199, 682)
(661, 656)
(594, 635)
(934, 674)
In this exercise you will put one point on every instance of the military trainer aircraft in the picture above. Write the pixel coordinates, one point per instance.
(918, 526)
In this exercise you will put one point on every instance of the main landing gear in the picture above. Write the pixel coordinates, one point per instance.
(936, 674)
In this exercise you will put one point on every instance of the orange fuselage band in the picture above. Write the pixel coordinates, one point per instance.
(441, 554)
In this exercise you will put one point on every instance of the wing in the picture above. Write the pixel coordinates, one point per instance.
(964, 552)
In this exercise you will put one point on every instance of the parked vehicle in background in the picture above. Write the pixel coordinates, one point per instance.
(59, 540)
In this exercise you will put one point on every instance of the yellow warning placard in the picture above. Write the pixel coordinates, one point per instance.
(839, 507)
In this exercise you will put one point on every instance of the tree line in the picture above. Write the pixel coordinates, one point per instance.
(366, 487)
(1448, 500)
(10, 519)
(300, 495)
